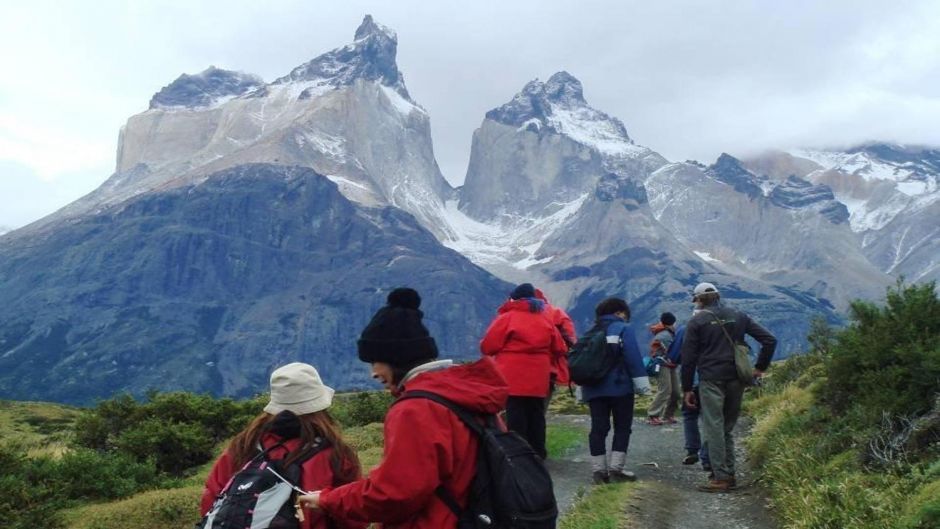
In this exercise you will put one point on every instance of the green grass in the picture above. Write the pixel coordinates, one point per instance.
(43, 426)
(561, 438)
(811, 462)
(599, 508)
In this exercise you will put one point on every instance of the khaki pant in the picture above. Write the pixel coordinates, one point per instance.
(721, 406)
(667, 393)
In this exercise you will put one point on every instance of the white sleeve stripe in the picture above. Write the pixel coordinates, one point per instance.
(613, 338)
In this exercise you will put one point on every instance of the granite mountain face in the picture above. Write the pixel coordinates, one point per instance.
(250, 223)
(208, 287)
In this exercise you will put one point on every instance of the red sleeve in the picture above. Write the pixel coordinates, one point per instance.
(318, 475)
(496, 336)
(218, 477)
(564, 323)
(410, 471)
(559, 347)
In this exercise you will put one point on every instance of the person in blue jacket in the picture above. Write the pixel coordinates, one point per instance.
(695, 449)
(614, 395)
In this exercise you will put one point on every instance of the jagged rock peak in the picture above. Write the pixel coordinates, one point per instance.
(371, 57)
(558, 106)
(731, 171)
(796, 192)
(370, 27)
(204, 89)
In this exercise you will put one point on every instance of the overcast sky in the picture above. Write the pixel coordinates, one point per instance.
(690, 79)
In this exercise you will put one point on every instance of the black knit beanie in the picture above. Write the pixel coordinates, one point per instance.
(396, 335)
(525, 290)
(667, 318)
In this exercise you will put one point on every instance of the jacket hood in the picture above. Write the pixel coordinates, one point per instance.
(477, 386)
(523, 305)
(658, 327)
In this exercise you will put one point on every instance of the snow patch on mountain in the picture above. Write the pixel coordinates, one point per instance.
(514, 241)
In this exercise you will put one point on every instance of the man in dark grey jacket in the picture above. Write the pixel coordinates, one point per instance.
(707, 350)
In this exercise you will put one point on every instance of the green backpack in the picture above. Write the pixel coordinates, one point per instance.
(589, 359)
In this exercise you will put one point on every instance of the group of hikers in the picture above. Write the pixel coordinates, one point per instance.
(446, 414)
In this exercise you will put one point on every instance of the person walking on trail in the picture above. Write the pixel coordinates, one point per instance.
(614, 396)
(695, 449)
(666, 400)
(294, 424)
(426, 446)
(565, 326)
(524, 342)
(708, 349)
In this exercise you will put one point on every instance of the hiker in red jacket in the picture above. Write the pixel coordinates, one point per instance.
(296, 416)
(565, 326)
(426, 445)
(524, 341)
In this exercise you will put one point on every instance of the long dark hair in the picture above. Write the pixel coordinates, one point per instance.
(611, 306)
(343, 460)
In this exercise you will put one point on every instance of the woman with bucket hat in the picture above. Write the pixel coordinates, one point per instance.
(294, 425)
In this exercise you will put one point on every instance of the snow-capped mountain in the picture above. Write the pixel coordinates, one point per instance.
(790, 232)
(892, 194)
(346, 114)
(556, 192)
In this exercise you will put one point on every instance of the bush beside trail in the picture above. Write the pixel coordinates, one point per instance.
(848, 435)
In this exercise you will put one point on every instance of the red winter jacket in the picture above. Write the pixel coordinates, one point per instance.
(426, 445)
(316, 473)
(566, 327)
(524, 344)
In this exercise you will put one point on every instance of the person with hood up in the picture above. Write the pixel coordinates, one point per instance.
(524, 341)
(565, 326)
(426, 445)
(296, 418)
(614, 395)
(666, 400)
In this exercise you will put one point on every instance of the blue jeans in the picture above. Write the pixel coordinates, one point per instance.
(602, 408)
(693, 438)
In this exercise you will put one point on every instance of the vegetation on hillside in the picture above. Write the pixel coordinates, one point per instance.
(122, 447)
(848, 435)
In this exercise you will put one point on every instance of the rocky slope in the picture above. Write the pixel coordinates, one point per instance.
(208, 287)
(892, 193)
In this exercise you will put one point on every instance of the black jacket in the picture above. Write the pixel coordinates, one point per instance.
(707, 350)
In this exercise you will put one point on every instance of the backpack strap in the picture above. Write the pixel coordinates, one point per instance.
(721, 324)
(468, 418)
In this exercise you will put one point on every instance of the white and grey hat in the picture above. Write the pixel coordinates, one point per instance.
(297, 388)
(704, 288)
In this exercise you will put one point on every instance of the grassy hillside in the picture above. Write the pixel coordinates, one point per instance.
(43, 427)
(848, 436)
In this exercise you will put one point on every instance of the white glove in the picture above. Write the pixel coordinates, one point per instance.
(641, 385)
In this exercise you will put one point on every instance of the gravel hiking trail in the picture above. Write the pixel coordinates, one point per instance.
(666, 497)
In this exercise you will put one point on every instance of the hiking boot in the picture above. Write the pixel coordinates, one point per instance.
(706, 467)
(654, 421)
(600, 477)
(716, 485)
(690, 459)
(619, 476)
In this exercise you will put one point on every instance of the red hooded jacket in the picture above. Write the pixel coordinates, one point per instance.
(566, 327)
(426, 445)
(316, 473)
(524, 344)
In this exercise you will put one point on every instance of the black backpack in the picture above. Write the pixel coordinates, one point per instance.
(511, 489)
(589, 360)
(262, 494)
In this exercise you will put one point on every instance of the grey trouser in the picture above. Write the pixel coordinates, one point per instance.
(721, 406)
(667, 393)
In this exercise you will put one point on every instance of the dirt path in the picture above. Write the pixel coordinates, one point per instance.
(667, 497)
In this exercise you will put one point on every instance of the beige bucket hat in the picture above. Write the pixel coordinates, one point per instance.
(297, 388)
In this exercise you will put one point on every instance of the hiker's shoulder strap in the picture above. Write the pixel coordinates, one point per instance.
(469, 418)
(721, 325)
